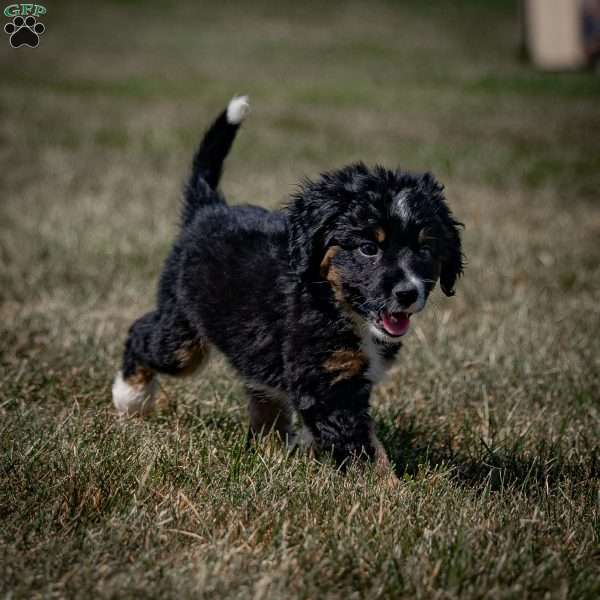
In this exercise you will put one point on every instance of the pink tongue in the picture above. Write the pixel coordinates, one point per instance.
(396, 323)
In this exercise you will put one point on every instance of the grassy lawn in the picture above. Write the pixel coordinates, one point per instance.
(493, 414)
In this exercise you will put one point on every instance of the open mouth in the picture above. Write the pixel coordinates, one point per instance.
(395, 324)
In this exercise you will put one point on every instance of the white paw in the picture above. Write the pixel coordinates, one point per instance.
(135, 399)
(301, 441)
(237, 109)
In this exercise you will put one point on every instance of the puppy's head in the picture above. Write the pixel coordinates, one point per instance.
(380, 239)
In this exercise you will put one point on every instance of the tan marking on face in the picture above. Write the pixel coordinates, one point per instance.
(331, 274)
(325, 265)
(141, 378)
(191, 356)
(345, 364)
(380, 235)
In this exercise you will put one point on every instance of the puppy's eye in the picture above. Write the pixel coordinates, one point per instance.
(425, 251)
(369, 249)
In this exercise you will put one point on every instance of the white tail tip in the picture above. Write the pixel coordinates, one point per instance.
(237, 109)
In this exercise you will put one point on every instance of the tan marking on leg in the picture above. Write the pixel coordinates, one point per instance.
(382, 462)
(191, 356)
(381, 457)
(136, 394)
(380, 234)
(141, 378)
(346, 364)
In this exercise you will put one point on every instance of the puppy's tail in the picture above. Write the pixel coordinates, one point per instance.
(207, 166)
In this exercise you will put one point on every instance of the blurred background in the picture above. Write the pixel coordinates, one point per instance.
(98, 124)
(105, 112)
(500, 99)
(561, 34)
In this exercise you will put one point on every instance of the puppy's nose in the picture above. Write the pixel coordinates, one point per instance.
(406, 296)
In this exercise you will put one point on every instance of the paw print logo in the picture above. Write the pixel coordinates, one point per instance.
(24, 32)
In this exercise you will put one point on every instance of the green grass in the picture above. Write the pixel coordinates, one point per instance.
(492, 416)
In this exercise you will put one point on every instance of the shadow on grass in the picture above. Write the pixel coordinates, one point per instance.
(538, 468)
(477, 463)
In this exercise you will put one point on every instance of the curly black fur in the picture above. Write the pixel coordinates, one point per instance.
(299, 300)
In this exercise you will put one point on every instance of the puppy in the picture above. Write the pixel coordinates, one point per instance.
(308, 303)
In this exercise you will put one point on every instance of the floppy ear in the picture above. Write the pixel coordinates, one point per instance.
(309, 217)
(303, 245)
(452, 256)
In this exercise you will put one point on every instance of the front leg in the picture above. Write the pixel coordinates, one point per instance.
(336, 412)
(327, 373)
(341, 431)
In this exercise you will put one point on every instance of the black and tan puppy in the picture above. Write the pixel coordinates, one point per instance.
(308, 303)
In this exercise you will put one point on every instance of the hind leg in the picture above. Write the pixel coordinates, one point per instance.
(158, 342)
(269, 411)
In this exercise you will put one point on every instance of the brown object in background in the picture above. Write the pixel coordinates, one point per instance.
(591, 30)
(554, 33)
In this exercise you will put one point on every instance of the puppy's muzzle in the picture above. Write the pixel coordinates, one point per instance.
(409, 296)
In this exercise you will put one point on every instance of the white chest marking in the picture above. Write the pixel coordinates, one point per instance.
(378, 366)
